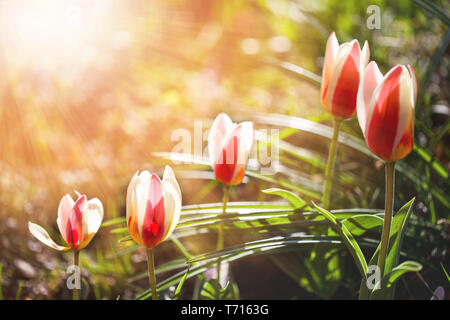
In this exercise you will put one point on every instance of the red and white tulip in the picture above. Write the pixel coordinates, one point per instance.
(386, 110)
(78, 221)
(229, 147)
(153, 207)
(341, 76)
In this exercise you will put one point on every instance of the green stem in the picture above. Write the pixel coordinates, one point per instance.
(76, 259)
(330, 163)
(388, 207)
(220, 235)
(151, 273)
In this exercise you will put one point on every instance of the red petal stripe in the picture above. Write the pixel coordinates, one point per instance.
(343, 104)
(384, 121)
(153, 225)
(226, 164)
(75, 223)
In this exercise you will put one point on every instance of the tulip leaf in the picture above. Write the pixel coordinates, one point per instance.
(348, 239)
(318, 270)
(294, 200)
(120, 230)
(126, 238)
(398, 228)
(388, 282)
(445, 271)
(113, 221)
(434, 9)
(264, 245)
(180, 285)
(212, 290)
(360, 224)
(267, 246)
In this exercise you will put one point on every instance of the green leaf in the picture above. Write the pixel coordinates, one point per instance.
(360, 224)
(212, 290)
(445, 271)
(348, 239)
(428, 158)
(119, 230)
(398, 228)
(294, 200)
(114, 221)
(434, 9)
(318, 270)
(267, 246)
(295, 70)
(126, 238)
(180, 285)
(387, 285)
(306, 190)
(264, 245)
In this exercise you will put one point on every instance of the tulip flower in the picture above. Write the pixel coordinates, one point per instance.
(340, 80)
(78, 221)
(386, 110)
(229, 147)
(340, 76)
(153, 210)
(386, 117)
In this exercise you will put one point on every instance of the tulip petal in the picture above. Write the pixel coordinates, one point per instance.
(39, 233)
(132, 211)
(415, 82)
(369, 81)
(153, 226)
(74, 229)
(92, 219)
(169, 177)
(245, 145)
(343, 87)
(383, 117)
(329, 64)
(172, 208)
(129, 196)
(140, 198)
(365, 55)
(221, 128)
(406, 107)
(65, 208)
(225, 165)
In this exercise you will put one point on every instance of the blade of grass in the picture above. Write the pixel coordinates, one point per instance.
(434, 9)
(180, 285)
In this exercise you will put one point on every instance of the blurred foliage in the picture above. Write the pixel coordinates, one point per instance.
(85, 113)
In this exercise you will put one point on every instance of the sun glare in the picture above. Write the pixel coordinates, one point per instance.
(52, 32)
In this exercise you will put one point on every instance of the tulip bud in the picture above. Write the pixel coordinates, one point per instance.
(341, 76)
(229, 147)
(386, 110)
(78, 221)
(153, 207)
